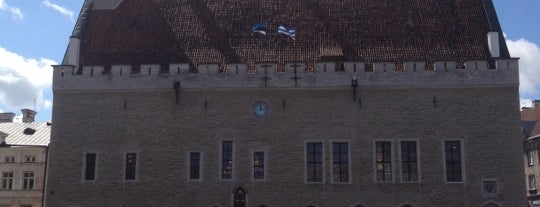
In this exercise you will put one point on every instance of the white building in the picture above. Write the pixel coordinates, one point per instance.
(23, 153)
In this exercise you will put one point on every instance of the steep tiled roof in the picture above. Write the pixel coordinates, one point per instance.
(27, 134)
(203, 31)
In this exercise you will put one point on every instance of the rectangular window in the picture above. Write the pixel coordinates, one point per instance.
(7, 180)
(340, 162)
(90, 166)
(9, 159)
(532, 182)
(452, 149)
(314, 163)
(226, 160)
(383, 159)
(131, 166)
(28, 180)
(409, 161)
(258, 165)
(530, 157)
(30, 159)
(194, 165)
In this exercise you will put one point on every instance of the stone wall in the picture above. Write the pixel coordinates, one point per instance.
(102, 116)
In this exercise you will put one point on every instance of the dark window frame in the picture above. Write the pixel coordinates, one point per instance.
(131, 160)
(227, 150)
(409, 161)
(340, 162)
(383, 161)
(29, 178)
(195, 165)
(453, 160)
(7, 180)
(259, 160)
(314, 162)
(90, 166)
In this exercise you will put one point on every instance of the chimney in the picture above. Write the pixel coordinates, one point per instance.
(28, 115)
(493, 42)
(6, 117)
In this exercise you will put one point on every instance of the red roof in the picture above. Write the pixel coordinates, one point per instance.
(203, 31)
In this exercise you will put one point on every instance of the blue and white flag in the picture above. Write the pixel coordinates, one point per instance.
(259, 28)
(290, 32)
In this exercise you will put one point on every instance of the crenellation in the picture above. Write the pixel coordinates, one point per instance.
(354, 67)
(414, 66)
(121, 70)
(476, 65)
(179, 68)
(150, 69)
(325, 68)
(238, 75)
(233, 69)
(507, 64)
(445, 66)
(384, 67)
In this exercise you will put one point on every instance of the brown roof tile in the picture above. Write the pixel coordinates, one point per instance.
(203, 31)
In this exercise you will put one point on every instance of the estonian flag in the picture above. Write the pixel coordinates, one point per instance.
(259, 28)
(290, 32)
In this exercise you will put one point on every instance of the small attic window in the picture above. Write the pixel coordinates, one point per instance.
(29, 131)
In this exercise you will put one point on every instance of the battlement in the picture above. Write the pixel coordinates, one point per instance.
(289, 75)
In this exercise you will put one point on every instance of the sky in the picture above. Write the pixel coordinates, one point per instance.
(34, 35)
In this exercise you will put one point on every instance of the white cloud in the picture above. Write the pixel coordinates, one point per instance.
(23, 81)
(529, 65)
(13, 11)
(523, 102)
(63, 10)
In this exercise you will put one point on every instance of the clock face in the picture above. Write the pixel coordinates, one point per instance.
(260, 109)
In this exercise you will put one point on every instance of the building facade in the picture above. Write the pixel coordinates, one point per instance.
(530, 121)
(364, 103)
(23, 151)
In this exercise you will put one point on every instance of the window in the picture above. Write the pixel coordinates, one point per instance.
(314, 165)
(532, 182)
(90, 166)
(340, 162)
(409, 161)
(194, 165)
(7, 180)
(9, 159)
(258, 165)
(530, 158)
(383, 159)
(26, 205)
(28, 180)
(30, 159)
(226, 160)
(131, 166)
(453, 161)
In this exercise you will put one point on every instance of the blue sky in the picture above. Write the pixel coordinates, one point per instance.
(34, 35)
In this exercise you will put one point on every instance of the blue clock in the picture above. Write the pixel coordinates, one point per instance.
(260, 109)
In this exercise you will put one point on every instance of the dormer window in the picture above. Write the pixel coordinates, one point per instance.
(29, 131)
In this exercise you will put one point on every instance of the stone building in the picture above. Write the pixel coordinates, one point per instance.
(23, 150)
(353, 103)
(530, 122)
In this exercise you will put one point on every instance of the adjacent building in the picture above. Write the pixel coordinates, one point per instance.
(530, 121)
(234, 103)
(23, 153)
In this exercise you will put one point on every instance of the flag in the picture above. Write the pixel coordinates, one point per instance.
(259, 28)
(290, 32)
